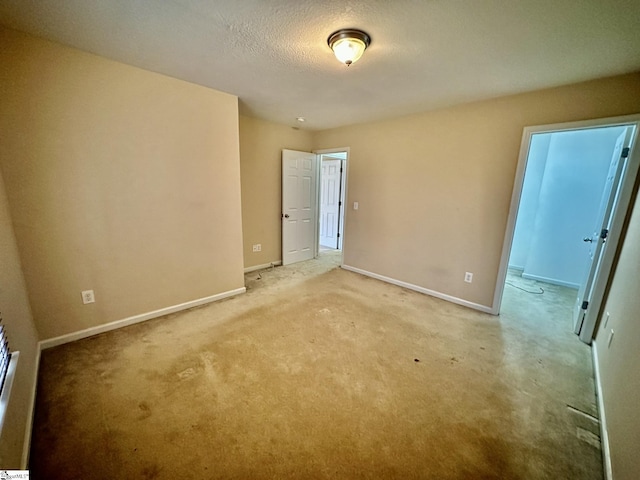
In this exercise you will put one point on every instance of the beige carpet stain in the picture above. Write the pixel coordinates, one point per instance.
(316, 372)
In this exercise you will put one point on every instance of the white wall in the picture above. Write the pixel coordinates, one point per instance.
(561, 206)
(536, 163)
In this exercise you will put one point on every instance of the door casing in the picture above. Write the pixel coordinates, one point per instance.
(344, 196)
(626, 191)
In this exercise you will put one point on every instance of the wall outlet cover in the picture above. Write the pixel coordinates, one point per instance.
(88, 297)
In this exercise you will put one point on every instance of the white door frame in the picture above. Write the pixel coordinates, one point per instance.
(626, 191)
(345, 183)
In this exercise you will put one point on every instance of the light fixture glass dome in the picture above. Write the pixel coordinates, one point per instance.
(348, 45)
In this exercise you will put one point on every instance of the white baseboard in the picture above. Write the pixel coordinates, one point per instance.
(277, 263)
(26, 448)
(89, 332)
(552, 281)
(604, 436)
(410, 286)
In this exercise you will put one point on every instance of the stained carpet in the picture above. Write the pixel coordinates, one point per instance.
(320, 373)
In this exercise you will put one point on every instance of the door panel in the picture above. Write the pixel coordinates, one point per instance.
(330, 202)
(597, 239)
(298, 206)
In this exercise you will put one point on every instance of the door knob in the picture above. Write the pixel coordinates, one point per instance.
(286, 215)
(587, 239)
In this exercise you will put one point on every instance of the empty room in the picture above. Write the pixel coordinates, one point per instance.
(301, 239)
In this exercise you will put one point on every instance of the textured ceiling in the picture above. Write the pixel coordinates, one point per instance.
(424, 54)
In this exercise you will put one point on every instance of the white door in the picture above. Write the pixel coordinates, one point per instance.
(299, 212)
(598, 240)
(330, 183)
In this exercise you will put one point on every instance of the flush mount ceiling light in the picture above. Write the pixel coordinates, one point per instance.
(348, 44)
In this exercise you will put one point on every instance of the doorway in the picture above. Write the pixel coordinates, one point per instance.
(331, 216)
(332, 184)
(305, 233)
(572, 180)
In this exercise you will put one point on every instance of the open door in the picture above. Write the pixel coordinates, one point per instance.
(299, 206)
(330, 202)
(607, 234)
(598, 239)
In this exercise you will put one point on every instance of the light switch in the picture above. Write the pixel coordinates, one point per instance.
(355, 205)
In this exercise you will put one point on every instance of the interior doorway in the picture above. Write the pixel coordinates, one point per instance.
(331, 199)
(571, 194)
(313, 213)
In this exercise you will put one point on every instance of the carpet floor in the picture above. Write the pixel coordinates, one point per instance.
(320, 373)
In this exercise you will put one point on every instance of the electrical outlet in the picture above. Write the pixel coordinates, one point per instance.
(88, 297)
(468, 277)
(356, 205)
(257, 247)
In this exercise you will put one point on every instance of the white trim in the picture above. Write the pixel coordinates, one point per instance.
(345, 188)
(26, 448)
(53, 342)
(604, 436)
(88, 332)
(333, 150)
(615, 239)
(8, 382)
(519, 179)
(314, 209)
(552, 281)
(584, 124)
(511, 221)
(410, 286)
(277, 263)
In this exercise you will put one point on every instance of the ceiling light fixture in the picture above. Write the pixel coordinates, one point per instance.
(348, 44)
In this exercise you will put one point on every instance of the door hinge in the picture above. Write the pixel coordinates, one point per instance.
(339, 203)
(341, 168)
(585, 305)
(338, 235)
(625, 152)
(604, 233)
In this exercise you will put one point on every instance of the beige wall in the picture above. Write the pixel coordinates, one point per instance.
(261, 145)
(14, 305)
(618, 364)
(119, 180)
(434, 189)
(128, 183)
